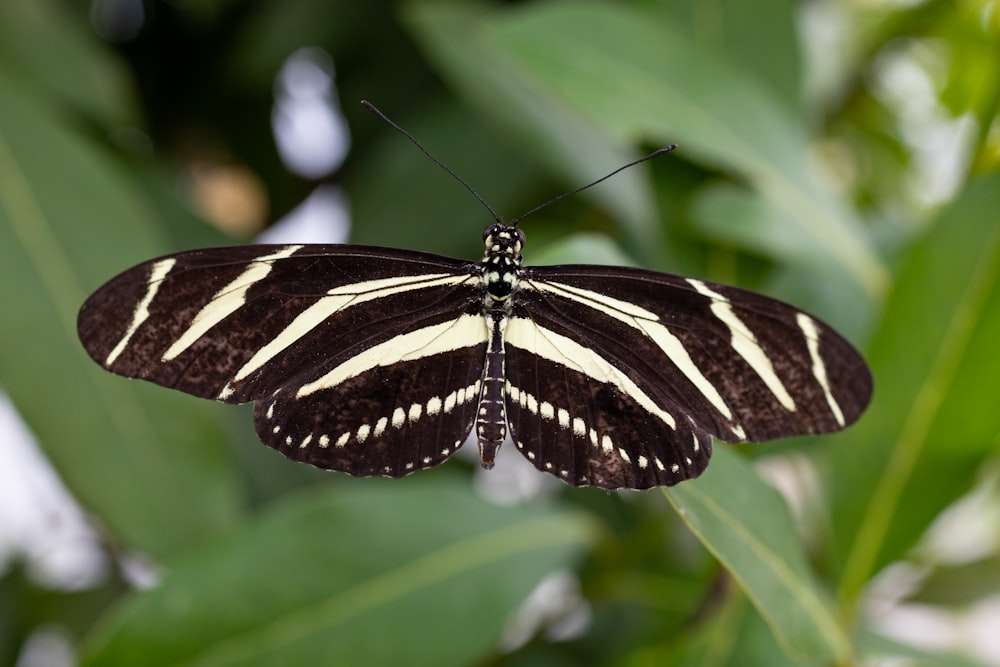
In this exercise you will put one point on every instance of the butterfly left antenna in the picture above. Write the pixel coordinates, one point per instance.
(388, 121)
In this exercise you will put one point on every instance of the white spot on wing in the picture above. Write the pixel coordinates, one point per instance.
(433, 406)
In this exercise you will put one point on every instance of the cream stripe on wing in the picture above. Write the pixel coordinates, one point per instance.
(610, 305)
(156, 276)
(466, 331)
(526, 335)
(811, 332)
(226, 301)
(649, 324)
(745, 343)
(335, 300)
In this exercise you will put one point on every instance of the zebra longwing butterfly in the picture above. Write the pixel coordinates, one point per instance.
(375, 361)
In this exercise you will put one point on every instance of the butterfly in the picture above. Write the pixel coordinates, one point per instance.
(379, 361)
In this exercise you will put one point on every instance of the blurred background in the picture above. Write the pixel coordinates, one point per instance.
(841, 155)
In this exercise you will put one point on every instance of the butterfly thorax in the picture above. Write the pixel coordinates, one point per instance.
(501, 263)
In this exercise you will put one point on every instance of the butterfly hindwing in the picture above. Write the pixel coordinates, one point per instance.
(587, 430)
(403, 403)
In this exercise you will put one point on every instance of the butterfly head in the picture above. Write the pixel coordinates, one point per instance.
(503, 239)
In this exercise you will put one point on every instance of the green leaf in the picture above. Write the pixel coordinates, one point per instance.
(746, 525)
(402, 572)
(658, 83)
(769, 52)
(733, 635)
(743, 217)
(582, 248)
(460, 40)
(42, 45)
(933, 420)
(148, 463)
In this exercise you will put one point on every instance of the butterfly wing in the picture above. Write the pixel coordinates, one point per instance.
(619, 377)
(355, 356)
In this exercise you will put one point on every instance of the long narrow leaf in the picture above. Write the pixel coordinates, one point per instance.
(937, 377)
(745, 523)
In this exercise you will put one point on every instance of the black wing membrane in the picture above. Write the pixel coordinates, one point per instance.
(261, 323)
(619, 377)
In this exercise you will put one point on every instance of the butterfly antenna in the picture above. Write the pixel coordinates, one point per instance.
(658, 151)
(388, 121)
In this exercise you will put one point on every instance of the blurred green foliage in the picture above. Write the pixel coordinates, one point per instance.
(841, 155)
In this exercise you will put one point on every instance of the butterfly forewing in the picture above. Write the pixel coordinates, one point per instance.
(234, 323)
